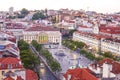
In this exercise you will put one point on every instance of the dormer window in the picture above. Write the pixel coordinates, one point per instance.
(16, 65)
(2, 65)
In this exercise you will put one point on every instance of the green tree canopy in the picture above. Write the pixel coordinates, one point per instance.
(38, 15)
(54, 65)
(29, 60)
(24, 11)
(71, 32)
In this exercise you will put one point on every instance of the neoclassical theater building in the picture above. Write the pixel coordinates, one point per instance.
(43, 35)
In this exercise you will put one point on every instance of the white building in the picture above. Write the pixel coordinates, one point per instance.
(43, 35)
(68, 24)
(93, 41)
(16, 28)
(8, 45)
(85, 29)
(110, 45)
(98, 42)
(106, 68)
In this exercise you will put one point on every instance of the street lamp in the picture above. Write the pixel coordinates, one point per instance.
(74, 56)
(42, 71)
(77, 59)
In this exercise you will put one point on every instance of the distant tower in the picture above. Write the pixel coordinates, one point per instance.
(11, 9)
(96, 28)
(46, 12)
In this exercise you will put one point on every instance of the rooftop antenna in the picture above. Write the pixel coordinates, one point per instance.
(88, 8)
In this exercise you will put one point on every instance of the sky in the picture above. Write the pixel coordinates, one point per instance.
(102, 6)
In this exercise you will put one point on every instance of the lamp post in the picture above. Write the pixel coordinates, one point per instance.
(77, 59)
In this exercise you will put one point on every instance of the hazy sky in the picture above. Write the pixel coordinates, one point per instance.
(105, 6)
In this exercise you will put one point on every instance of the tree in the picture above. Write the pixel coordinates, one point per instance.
(20, 15)
(23, 45)
(54, 19)
(37, 46)
(12, 17)
(55, 66)
(29, 60)
(24, 11)
(80, 45)
(71, 32)
(38, 15)
(108, 54)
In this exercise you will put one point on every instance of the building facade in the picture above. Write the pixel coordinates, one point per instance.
(11, 67)
(106, 68)
(98, 42)
(43, 35)
(90, 40)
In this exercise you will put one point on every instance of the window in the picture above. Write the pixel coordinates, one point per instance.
(16, 65)
(9, 66)
(3, 72)
(2, 65)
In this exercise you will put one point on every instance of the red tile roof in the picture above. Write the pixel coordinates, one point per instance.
(12, 39)
(110, 29)
(78, 14)
(97, 36)
(79, 74)
(115, 65)
(38, 28)
(19, 78)
(30, 75)
(8, 78)
(14, 26)
(14, 62)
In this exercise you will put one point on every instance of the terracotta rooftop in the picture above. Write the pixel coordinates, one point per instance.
(8, 78)
(38, 28)
(30, 75)
(10, 62)
(19, 78)
(79, 74)
(97, 36)
(115, 65)
(110, 29)
(14, 26)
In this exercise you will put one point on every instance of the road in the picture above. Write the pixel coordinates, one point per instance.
(45, 73)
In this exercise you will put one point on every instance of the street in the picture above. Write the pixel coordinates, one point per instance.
(45, 73)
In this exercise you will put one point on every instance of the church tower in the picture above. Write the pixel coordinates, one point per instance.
(96, 28)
